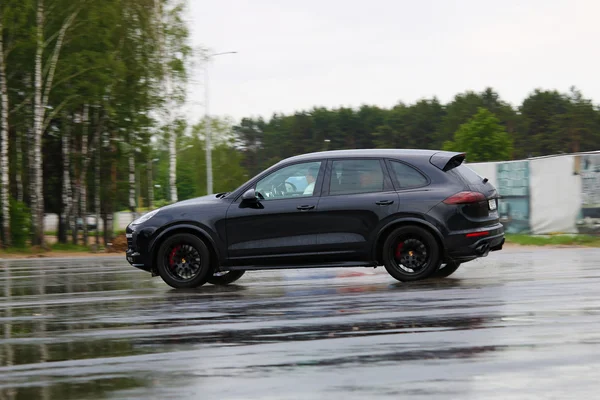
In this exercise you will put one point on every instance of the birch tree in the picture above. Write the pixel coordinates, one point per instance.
(131, 155)
(97, 182)
(166, 85)
(4, 172)
(66, 187)
(42, 87)
(85, 139)
(171, 33)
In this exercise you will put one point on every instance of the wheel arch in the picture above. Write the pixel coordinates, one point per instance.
(387, 229)
(185, 228)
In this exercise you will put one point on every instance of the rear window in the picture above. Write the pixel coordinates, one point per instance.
(466, 173)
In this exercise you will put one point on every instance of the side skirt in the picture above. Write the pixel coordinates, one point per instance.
(367, 264)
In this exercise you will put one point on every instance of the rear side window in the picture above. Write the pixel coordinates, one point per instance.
(466, 173)
(356, 176)
(407, 177)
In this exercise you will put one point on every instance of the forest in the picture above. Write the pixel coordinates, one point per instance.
(91, 120)
(85, 86)
(478, 123)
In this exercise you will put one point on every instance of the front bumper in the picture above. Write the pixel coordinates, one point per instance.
(137, 254)
(462, 248)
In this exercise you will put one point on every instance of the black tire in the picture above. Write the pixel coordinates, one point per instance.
(446, 271)
(175, 248)
(225, 279)
(411, 253)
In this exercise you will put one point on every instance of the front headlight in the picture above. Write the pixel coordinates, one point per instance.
(145, 217)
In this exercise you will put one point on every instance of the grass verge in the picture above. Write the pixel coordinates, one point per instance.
(55, 247)
(68, 247)
(554, 240)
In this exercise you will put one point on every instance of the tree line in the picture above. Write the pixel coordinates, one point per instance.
(481, 124)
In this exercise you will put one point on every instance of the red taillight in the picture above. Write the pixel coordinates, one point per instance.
(477, 234)
(465, 198)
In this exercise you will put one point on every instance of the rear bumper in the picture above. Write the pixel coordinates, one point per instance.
(468, 245)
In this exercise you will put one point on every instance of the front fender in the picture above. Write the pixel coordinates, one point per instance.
(201, 231)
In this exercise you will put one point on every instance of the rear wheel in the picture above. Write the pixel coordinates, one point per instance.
(183, 261)
(446, 270)
(225, 277)
(411, 253)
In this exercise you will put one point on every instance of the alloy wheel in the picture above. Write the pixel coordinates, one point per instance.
(411, 255)
(184, 262)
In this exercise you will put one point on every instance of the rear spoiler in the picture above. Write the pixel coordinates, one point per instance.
(446, 160)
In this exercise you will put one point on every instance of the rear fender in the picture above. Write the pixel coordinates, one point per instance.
(407, 221)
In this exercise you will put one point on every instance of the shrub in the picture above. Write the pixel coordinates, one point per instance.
(161, 203)
(20, 223)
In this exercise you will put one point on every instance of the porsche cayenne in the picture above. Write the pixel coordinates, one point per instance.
(418, 213)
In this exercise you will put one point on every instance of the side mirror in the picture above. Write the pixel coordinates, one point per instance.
(249, 195)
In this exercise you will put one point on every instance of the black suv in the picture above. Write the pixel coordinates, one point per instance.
(420, 213)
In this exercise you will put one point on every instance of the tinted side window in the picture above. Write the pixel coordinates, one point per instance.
(296, 180)
(467, 173)
(407, 177)
(356, 176)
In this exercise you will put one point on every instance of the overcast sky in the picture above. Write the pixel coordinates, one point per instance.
(294, 55)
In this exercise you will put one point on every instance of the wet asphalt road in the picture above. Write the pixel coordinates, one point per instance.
(518, 324)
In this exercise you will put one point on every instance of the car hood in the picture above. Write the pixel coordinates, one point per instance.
(208, 200)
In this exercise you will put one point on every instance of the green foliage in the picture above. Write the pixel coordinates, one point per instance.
(161, 203)
(482, 138)
(543, 115)
(554, 122)
(69, 247)
(20, 221)
(228, 172)
(554, 240)
(465, 105)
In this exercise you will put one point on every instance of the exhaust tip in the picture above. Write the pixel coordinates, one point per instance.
(483, 248)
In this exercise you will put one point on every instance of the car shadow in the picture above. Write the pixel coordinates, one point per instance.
(431, 283)
(210, 289)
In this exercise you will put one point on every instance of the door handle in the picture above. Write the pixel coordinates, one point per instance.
(305, 208)
(384, 202)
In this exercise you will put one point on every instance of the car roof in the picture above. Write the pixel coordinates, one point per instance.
(358, 153)
(438, 158)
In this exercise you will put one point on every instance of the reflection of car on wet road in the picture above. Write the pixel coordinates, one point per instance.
(417, 212)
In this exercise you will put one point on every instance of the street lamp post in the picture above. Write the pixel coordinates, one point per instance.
(209, 174)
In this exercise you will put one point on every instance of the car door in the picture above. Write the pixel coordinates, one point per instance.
(281, 226)
(358, 196)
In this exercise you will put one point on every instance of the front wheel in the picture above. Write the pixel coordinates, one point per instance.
(446, 270)
(225, 277)
(183, 261)
(411, 253)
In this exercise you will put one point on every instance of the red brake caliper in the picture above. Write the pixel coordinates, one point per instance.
(172, 256)
(399, 250)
